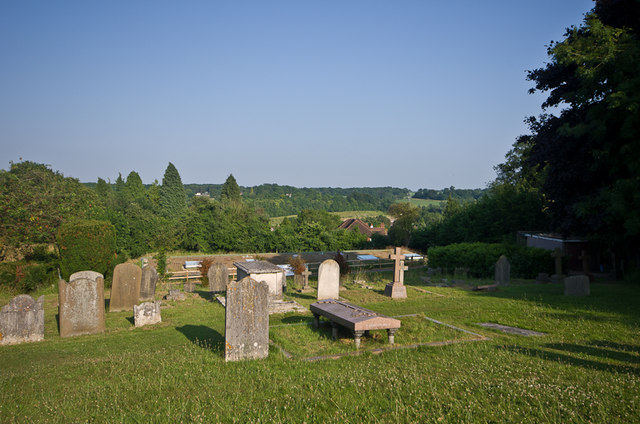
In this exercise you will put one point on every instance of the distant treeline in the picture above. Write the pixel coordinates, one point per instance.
(454, 193)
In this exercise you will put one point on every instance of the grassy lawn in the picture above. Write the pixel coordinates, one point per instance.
(422, 202)
(277, 220)
(585, 369)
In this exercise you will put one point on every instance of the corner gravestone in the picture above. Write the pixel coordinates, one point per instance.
(22, 320)
(125, 289)
(218, 275)
(81, 304)
(329, 280)
(148, 283)
(577, 285)
(147, 313)
(503, 271)
(246, 330)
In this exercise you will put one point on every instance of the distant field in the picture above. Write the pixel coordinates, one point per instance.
(277, 220)
(422, 202)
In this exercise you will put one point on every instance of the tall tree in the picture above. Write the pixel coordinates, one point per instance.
(230, 189)
(173, 198)
(588, 153)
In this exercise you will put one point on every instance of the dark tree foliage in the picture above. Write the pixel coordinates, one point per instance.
(444, 194)
(588, 154)
(172, 196)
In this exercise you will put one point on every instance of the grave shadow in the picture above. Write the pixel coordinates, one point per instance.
(203, 336)
(616, 345)
(295, 319)
(205, 294)
(305, 296)
(132, 320)
(603, 352)
(571, 360)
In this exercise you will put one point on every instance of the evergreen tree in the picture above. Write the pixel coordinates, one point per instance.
(173, 198)
(134, 188)
(230, 189)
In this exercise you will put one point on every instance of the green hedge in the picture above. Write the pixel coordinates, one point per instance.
(480, 259)
(86, 245)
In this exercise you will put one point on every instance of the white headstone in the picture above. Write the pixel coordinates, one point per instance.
(329, 280)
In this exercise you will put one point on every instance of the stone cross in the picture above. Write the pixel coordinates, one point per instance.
(398, 266)
(305, 278)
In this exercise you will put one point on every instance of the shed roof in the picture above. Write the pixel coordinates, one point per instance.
(257, 267)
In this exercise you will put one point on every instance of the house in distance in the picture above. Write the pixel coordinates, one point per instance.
(352, 224)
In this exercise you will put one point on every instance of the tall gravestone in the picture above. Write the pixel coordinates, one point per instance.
(125, 289)
(22, 320)
(246, 329)
(503, 271)
(557, 256)
(218, 275)
(329, 280)
(396, 288)
(148, 283)
(81, 304)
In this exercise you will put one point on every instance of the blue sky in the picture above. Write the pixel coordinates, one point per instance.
(416, 94)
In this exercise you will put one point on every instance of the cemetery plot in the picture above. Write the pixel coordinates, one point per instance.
(302, 340)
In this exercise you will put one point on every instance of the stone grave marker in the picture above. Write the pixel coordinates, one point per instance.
(577, 285)
(329, 280)
(218, 277)
(125, 289)
(175, 294)
(246, 330)
(189, 286)
(81, 304)
(148, 283)
(396, 289)
(147, 313)
(22, 320)
(305, 278)
(557, 255)
(503, 271)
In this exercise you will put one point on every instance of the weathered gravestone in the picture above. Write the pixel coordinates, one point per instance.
(81, 304)
(396, 288)
(577, 285)
(557, 255)
(147, 313)
(148, 283)
(329, 280)
(175, 294)
(503, 271)
(218, 275)
(189, 286)
(246, 329)
(22, 320)
(125, 289)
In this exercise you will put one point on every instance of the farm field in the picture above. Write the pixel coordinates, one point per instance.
(585, 368)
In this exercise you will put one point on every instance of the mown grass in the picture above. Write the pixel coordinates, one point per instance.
(585, 369)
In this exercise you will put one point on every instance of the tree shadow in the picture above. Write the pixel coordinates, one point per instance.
(571, 360)
(205, 337)
(615, 345)
(603, 352)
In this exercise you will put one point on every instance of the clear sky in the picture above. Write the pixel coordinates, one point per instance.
(415, 94)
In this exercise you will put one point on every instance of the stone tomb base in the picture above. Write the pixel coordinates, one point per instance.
(395, 290)
(577, 286)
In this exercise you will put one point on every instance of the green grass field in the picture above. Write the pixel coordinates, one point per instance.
(585, 369)
(276, 220)
(422, 202)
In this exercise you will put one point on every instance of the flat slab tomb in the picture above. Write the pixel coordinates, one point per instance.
(354, 318)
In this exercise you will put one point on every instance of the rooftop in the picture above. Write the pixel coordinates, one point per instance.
(257, 267)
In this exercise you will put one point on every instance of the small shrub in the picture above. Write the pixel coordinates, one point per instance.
(86, 245)
(205, 264)
(297, 264)
(161, 257)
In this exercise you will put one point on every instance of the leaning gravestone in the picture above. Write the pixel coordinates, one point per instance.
(503, 271)
(147, 313)
(81, 304)
(125, 289)
(577, 285)
(22, 320)
(329, 280)
(148, 283)
(246, 330)
(218, 277)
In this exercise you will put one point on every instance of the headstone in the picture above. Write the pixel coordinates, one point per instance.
(503, 271)
(298, 281)
(81, 304)
(329, 280)
(557, 255)
(396, 289)
(265, 272)
(246, 330)
(218, 277)
(148, 284)
(125, 289)
(147, 313)
(189, 286)
(305, 278)
(175, 294)
(22, 320)
(577, 285)
(543, 277)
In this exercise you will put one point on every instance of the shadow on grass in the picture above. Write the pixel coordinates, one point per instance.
(617, 346)
(205, 294)
(303, 296)
(564, 358)
(295, 319)
(603, 352)
(205, 337)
